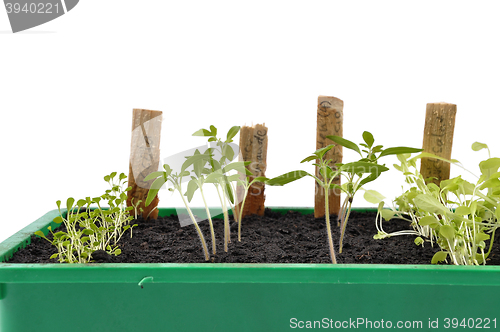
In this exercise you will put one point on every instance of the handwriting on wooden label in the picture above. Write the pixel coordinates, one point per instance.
(438, 140)
(329, 122)
(253, 145)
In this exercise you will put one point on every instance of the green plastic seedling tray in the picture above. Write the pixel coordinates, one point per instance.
(241, 297)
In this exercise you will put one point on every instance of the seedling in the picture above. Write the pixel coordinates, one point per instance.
(88, 229)
(356, 173)
(203, 174)
(246, 184)
(196, 183)
(219, 175)
(457, 215)
(212, 166)
(162, 177)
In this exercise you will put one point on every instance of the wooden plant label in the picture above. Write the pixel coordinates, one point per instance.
(253, 147)
(144, 159)
(438, 140)
(329, 122)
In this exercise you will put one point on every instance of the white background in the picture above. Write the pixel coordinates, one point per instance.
(68, 87)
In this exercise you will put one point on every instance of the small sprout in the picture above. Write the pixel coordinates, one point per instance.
(95, 229)
(440, 256)
(419, 241)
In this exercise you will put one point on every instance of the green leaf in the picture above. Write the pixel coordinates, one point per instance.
(287, 178)
(237, 165)
(69, 203)
(322, 151)
(481, 237)
(232, 132)
(309, 159)
(369, 178)
(387, 214)
(213, 177)
(234, 177)
(107, 178)
(153, 175)
(368, 138)
(213, 130)
(363, 167)
(373, 196)
(418, 241)
(58, 220)
(88, 231)
(440, 256)
(448, 232)
(450, 184)
(429, 221)
(490, 164)
(195, 158)
(229, 190)
(168, 169)
(40, 234)
(122, 176)
(380, 236)
(467, 188)
(429, 204)
(61, 235)
(228, 152)
(191, 189)
(345, 143)
(495, 175)
(112, 175)
(462, 210)
(491, 183)
(153, 191)
(81, 202)
(330, 173)
(398, 150)
(377, 148)
(202, 132)
(198, 165)
(262, 179)
(215, 164)
(476, 146)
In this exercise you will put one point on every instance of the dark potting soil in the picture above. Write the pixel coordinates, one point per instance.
(273, 238)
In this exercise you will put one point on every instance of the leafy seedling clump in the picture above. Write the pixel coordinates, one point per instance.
(356, 173)
(213, 166)
(90, 230)
(459, 216)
